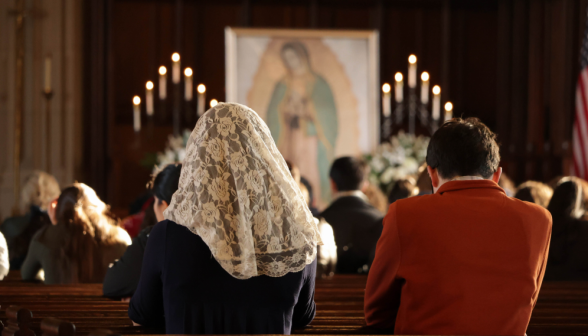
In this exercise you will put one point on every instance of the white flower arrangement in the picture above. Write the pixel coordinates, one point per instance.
(397, 159)
(175, 150)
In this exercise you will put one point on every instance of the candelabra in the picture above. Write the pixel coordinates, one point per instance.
(414, 107)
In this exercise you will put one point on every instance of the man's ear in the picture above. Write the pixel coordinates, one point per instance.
(496, 175)
(333, 186)
(434, 175)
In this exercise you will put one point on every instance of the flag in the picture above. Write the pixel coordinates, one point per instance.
(580, 132)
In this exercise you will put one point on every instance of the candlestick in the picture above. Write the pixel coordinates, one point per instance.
(176, 68)
(188, 84)
(48, 74)
(149, 98)
(412, 71)
(386, 100)
(448, 111)
(213, 102)
(137, 114)
(201, 99)
(398, 88)
(436, 102)
(425, 88)
(162, 82)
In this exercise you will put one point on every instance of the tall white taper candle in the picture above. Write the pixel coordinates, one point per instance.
(188, 84)
(436, 102)
(149, 98)
(425, 88)
(162, 82)
(448, 111)
(176, 68)
(398, 88)
(137, 114)
(386, 100)
(201, 99)
(412, 71)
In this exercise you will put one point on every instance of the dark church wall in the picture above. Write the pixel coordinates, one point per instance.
(510, 63)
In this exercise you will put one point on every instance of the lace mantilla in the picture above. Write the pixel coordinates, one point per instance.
(237, 194)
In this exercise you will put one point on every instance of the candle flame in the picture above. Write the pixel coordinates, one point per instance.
(175, 57)
(412, 59)
(213, 102)
(136, 100)
(149, 85)
(188, 72)
(448, 106)
(425, 76)
(386, 88)
(162, 70)
(398, 77)
(201, 88)
(436, 89)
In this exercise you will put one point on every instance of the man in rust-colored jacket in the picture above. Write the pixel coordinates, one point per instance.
(467, 260)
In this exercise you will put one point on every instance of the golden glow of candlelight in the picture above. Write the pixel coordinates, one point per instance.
(398, 77)
(136, 100)
(149, 85)
(448, 106)
(386, 88)
(202, 89)
(188, 72)
(162, 70)
(213, 102)
(436, 89)
(412, 59)
(175, 57)
(425, 76)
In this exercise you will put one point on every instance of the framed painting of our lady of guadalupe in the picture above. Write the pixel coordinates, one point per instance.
(317, 90)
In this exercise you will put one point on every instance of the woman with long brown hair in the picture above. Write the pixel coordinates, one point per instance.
(80, 244)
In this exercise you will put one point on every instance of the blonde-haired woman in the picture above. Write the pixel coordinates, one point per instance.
(237, 253)
(80, 245)
(38, 190)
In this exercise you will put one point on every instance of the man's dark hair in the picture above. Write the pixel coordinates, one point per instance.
(463, 148)
(348, 173)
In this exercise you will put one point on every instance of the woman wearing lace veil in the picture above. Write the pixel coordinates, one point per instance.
(236, 253)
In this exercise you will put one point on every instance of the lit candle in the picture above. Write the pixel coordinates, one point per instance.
(213, 102)
(425, 88)
(136, 113)
(176, 68)
(398, 88)
(149, 98)
(162, 83)
(448, 111)
(436, 102)
(412, 71)
(201, 99)
(386, 100)
(188, 84)
(48, 74)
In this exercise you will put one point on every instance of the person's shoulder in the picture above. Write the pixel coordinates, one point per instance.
(533, 212)
(122, 236)
(414, 202)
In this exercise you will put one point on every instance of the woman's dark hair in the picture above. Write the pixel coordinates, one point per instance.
(348, 173)
(566, 207)
(165, 183)
(462, 148)
(402, 189)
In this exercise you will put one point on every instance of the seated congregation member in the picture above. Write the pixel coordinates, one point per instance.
(237, 253)
(568, 252)
(80, 244)
(356, 223)
(402, 189)
(38, 191)
(466, 260)
(4, 263)
(534, 192)
(123, 276)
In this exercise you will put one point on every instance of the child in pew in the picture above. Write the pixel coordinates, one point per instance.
(83, 240)
(123, 276)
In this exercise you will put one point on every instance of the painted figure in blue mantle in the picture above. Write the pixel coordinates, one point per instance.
(302, 116)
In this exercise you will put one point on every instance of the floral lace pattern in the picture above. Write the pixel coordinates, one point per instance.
(237, 194)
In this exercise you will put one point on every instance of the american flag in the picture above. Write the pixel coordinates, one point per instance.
(580, 132)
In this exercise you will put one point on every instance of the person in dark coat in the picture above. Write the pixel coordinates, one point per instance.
(568, 252)
(237, 251)
(357, 224)
(122, 277)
